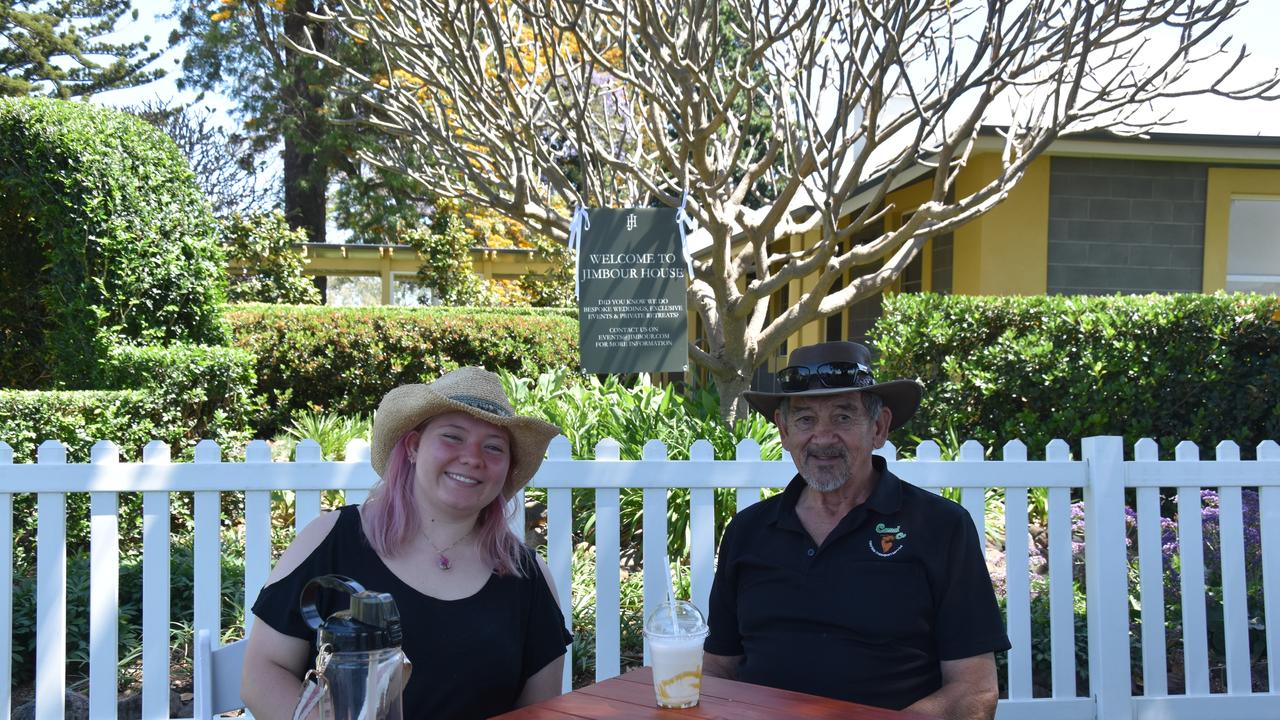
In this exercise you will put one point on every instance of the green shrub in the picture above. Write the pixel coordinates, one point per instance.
(210, 388)
(1204, 368)
(105, 235)
(262, 264)
(330, 431)
(445, 247)
(553, 288)
(181, 598)
(446, 269)
(343, 360)
(589, 410)
(179, 394)
(79, 418)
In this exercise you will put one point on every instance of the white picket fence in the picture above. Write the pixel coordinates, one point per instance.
(1103, 474)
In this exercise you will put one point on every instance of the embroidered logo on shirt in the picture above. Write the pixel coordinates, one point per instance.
(886, 543)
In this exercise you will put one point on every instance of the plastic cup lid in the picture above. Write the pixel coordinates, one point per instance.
(682, 620)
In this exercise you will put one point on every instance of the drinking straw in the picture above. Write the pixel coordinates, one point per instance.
(671, 593)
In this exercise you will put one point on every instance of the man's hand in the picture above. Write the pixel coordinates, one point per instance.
(721, 666)
(969, 690)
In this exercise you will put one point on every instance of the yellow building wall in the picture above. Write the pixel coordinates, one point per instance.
(812, 332)
(1005, 251)
(1223, 183)
(905, 201)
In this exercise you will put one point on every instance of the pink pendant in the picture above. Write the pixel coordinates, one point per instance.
(444, 562)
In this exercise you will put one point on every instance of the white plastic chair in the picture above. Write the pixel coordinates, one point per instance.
(217, 677)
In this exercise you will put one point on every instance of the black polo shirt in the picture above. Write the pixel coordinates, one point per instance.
(899, 585)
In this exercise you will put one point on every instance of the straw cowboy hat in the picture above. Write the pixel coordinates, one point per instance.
(471, 390)
(832, 368)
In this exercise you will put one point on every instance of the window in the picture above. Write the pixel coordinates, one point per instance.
(864, 313)
(912, 278)
(913, 274)
(783, 302)
(407, 290)
(352, 290)
(1253, 247)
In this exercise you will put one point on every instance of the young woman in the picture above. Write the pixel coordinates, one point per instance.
(481, 623)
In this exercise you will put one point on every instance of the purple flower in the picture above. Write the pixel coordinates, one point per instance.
(1077, 518)
(1209, 516)
(1168, 538)
(1252, 529)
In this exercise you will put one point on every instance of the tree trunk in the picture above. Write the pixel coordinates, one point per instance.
(305, 189)
(731, 387)
(306, 175)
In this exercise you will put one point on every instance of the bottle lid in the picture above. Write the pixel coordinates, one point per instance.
(371, 621)
(377, 609)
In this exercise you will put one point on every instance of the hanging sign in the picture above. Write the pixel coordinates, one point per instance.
(632, 292)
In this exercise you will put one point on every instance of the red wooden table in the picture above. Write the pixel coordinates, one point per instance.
(630, 697)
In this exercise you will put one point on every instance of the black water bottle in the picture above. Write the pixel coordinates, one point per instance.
(360, 668)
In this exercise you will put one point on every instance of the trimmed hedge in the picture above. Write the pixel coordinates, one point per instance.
(1204, 368)
(105, 235)
(344, 360)
(179, 394)
(79, 418)
(130, 419)
(210, 387)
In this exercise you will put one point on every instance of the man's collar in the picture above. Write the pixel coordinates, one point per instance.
(885, 497)
(784, 513)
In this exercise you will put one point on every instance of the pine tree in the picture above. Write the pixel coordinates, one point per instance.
(53, 48)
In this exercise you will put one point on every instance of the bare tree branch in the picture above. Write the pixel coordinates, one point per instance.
(773, 116)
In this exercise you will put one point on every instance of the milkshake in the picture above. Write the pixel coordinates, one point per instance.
(675, 635)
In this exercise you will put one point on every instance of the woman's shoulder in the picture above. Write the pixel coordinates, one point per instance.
(308, 539)
(318, 529)
(535, 569)
(529, 561)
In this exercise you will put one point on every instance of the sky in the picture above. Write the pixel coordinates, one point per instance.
(151, 23)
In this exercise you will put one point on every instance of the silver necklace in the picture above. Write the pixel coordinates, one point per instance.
(442, 560)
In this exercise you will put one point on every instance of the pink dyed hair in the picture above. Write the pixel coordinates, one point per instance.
(393, 523)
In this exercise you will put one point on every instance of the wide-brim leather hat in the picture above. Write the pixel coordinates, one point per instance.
(848, 366)
(471, 390)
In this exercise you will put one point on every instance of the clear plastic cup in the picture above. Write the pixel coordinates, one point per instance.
(675, 635)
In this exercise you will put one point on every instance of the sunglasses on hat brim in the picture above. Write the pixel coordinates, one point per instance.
(840, 374)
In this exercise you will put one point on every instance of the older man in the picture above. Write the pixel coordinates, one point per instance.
(852, 583)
